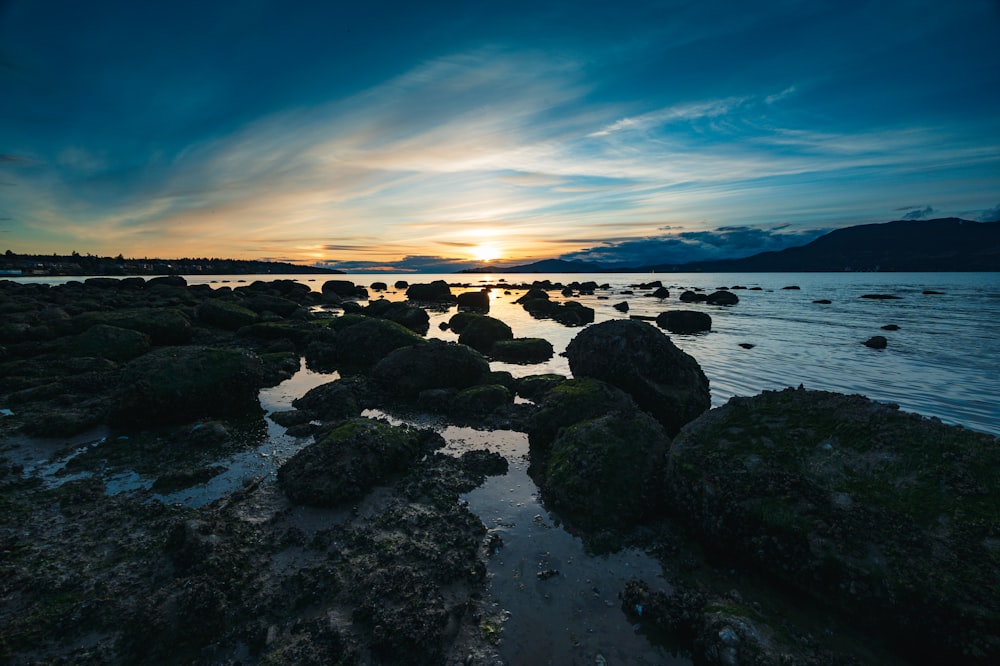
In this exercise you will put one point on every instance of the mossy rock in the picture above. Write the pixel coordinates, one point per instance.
(534, 387)
(331, 401)
(225, 314)
(481, 332)
(112, 343)
(366, 342)
(525, 351)
(482, 399)
(407, 371)
(352, 459)
(347, 319)
(889, 516)
(412, 317)
(607, 472)
(261, 303)
(298, 333)
(164, 326)
(570, 402)
(179, 384)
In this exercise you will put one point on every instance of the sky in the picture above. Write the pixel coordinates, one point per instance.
(373, 136)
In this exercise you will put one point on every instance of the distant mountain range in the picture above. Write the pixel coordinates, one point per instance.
(12, 264)
(946, 244)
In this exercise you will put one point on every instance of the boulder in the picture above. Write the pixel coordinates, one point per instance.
(692, 297)
(414, 318)
(330, 402)
(643, 362)
(881, 297)
(660, 292)
(876, 342)
(534, 387)
(436, 291)
(474, 300)
(379, 286)
(606, 472)
(365, 343)
(225, 314)
(621, 307)
(262, 302)
(722, 298)
(173, 385)
(888, 516)
(167, 281)
(408, 371)
(112, 343)
(684, 321)
(522, 350)
(164, 326)
(351, 459)
(481, 332)
(482, 399)
(570, 402)
(343, 289)
(401, 284)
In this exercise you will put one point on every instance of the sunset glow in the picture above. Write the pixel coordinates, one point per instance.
(664, 132)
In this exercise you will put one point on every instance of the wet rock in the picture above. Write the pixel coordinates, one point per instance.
(414, 318)
(474, 300)
(407, 371)
(621, 307)
(747, 345)
(180, 384)
(298, 333)
(111, 342)
(890, 327)
(522, 350)
(606, 472)
(369, 340)
(692, 297)
(533, 387)
(876, 342)
(823, 301)
(379, 286)
(857, 504)
(722, 298)
(164, 326)
(570, 402)
(436, 291)
(881, 297)
(791, 287)
(481, 399)
(167, 281)
(660, 292)
(332, 401)
(401, 284)
(639, 359)
(343, 289)
(351, 459)
(684, 321)
(481, 332)
(225, 314)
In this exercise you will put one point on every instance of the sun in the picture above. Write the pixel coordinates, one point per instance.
(486, 253)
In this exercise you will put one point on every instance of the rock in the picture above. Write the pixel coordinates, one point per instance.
(436, 291)
(368, 341)
(351, 459)
(747, 345)
(481, 332)
(692, 297)
(621, 307)
(474, 300)
(225, 314)
(792, 287)
(931, 292)
(534, 387)
(329, 402)
(263, 303)
(606, 472)
(408, 371)
(164, 326)
(639, 359)
(167, 281)
(684, 321)
(482, 399)
(881, 297)
(343, 289)
(523, 351)
(570, 402)
(890, 327)
(401, 284)
(722, 298)
(823, 301)
(888, 516)
(661, 292)
(295, 332)
(379, 286)
(876, 342)
(175, 385)
(414, 318)
(112, 343)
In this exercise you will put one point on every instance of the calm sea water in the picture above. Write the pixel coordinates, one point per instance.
(944, 361)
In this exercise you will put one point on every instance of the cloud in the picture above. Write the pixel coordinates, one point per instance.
(407, 264)
(919, 213)
(991, 215)
(721, 243)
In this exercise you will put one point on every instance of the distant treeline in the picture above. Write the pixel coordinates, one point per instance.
(88, 264)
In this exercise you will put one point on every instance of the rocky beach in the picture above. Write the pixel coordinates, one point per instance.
(794, 526)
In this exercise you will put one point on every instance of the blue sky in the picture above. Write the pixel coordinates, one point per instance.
(414, 136)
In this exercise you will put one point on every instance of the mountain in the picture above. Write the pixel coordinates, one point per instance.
(545, 266)
(947, 244)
